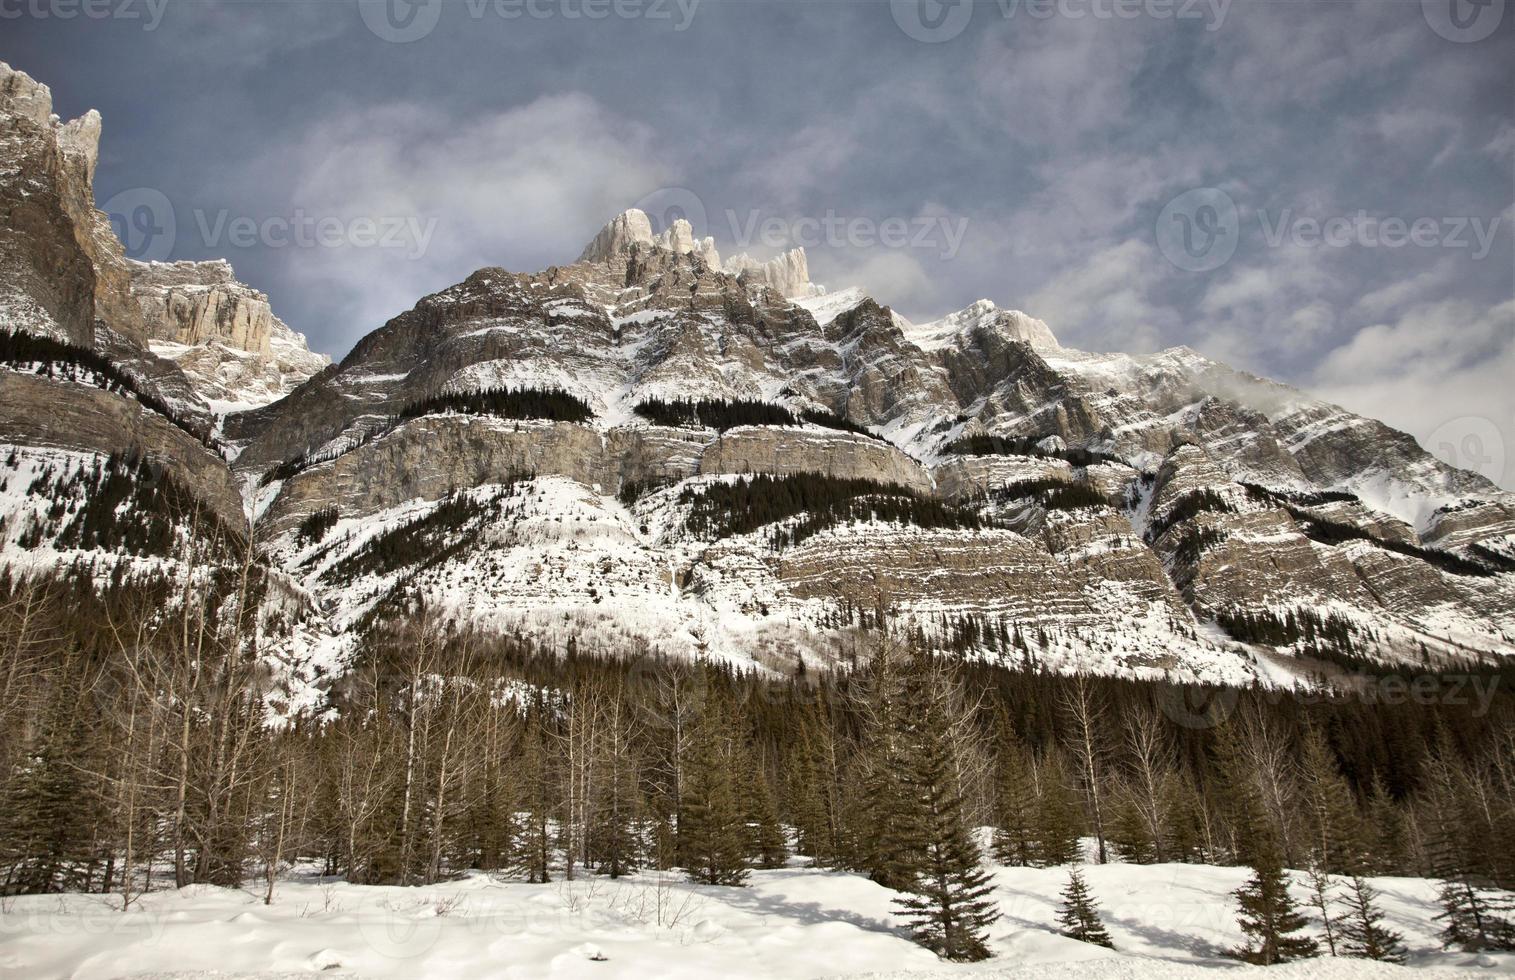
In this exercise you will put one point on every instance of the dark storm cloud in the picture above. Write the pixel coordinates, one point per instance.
(1355, 237)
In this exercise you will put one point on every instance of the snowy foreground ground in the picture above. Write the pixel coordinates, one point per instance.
(1167, 921)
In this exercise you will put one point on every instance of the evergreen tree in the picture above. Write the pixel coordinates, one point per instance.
(1269, 917)
(1320, 897)
(1078, 914)
(886, 826)
(1387, 839)
(950, 908)
(1472, 920)
(535, 786)
(765, 841)
(1015, 840)
(1129, 833)
(806, 802)
(1363, 933)
(1332, 821)
(1240, 802)
(1188, 838)
(713, 838)
(49, 823)
(1059, 815)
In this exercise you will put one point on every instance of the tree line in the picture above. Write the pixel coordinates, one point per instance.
(45, 357)
(722, 414)
(744, 505)
(135, 747)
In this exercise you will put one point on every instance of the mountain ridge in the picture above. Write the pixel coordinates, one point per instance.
(1159, 515)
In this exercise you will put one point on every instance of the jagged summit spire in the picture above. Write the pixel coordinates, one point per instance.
(632, 227)
(1012, 324)
(788, 274)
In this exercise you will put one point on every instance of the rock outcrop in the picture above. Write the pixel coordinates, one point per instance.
(1129, 511)
(64, 273)
(787, 274)
(222, 333)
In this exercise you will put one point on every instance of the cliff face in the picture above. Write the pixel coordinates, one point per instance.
(65, 274)
(1128, 512)
(222, 333)
(43, 414)
(48, 277)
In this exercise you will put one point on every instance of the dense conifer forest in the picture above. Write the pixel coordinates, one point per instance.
(987, 445)
(43, 356)
(135, 748)
(742, 506)
(722, 415)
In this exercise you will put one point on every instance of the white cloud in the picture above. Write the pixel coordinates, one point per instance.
(1051, 82)
(1103, 303)
(525, 187)
(1441, 368)
(894, 278)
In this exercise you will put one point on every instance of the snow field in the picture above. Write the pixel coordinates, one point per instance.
(1166, 920)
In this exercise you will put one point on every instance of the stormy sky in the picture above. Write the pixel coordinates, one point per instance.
(1318, 192)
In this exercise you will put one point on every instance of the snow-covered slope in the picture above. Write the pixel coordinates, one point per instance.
(1128, 511)
(1166, 920)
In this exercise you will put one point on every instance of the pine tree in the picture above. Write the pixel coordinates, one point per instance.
(534, 784)
(765, 841)
(1129, 833)
(805, 801)
(1015, 804)
(1269, 917)
(1472, 920)
(1363, 933)
(49, 823)
(1333, 823)
(1320, 897)
(949, 908)
(1388, 846)
(885, 826)
(1240, 801)
(1078, 914)
(1187, 829)
(713, 839)
(1059, 816)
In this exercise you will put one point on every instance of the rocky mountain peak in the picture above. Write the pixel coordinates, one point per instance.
(187, 330)
(222, 334)
(24, 96)
(954, 328)
(787, 274)
(632, 228)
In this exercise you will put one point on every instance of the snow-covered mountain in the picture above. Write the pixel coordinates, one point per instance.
(200, 339)
(1157, 515)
